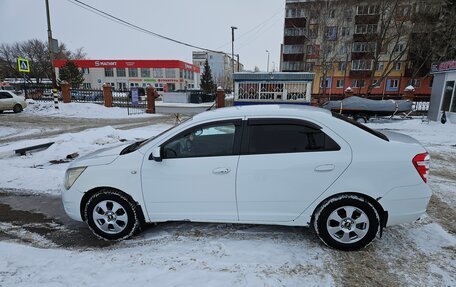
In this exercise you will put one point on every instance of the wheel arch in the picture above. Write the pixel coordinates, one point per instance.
(95, 190)
(379, 208)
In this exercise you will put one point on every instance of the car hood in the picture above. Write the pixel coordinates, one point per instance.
(100, 157)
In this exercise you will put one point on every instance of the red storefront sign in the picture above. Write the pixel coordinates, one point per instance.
(148, 64)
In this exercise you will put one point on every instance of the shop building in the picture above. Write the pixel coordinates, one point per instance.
(443, 97)
(164, 75)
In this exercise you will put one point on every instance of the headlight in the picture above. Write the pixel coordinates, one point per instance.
(71, 175)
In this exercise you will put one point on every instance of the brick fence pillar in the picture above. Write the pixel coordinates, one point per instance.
(220, 98)
(151, 94)
(107, 95)
(409, 93)
(65, 92)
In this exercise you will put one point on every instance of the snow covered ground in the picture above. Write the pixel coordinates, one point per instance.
(194, 254)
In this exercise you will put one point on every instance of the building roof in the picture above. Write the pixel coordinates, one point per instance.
(170, 64)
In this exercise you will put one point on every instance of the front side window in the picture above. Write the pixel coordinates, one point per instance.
(207, 141)
(288, 138)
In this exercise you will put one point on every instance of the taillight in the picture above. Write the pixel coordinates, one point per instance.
(421, 162)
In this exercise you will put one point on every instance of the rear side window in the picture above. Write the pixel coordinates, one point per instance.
(288, 138)
(5, 95)
(361, 126)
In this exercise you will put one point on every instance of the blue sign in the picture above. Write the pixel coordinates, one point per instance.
(134, 96)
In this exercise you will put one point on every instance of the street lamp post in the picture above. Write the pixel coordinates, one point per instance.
(232, 54)
(267, 51)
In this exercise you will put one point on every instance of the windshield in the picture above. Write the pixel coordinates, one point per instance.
(361, 126)
(143, 143)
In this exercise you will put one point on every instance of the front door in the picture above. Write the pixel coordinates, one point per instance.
(196, 178)
(285, 165)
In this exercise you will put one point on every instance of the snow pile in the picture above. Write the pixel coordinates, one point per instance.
(78, 110)
(34, 173)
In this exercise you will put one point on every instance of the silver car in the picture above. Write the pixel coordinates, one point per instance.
(11, 101)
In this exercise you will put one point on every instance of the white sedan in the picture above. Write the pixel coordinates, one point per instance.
(11, 101)
(271, 164)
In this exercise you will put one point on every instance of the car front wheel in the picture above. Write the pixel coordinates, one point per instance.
(347, 222)
(17, 108)
(111, 216)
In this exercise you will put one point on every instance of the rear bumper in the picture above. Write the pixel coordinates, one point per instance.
(406, 204)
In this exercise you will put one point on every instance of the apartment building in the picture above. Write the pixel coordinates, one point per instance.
(364, 45)
(220, 64)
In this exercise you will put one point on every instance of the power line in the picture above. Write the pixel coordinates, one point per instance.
(135, 27)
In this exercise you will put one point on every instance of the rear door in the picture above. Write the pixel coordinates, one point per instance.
(284, 166)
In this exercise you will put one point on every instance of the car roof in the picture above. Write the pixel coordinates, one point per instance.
(264, 111)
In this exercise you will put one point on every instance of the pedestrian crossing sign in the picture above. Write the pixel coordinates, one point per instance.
(23, 65)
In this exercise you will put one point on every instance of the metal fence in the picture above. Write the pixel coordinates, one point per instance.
(39, 92)
(87, 96)
(272, 91)
(124, 99)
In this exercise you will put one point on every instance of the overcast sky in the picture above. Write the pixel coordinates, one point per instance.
(200, 22)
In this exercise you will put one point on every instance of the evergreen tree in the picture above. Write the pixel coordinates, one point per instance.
(71, 73)
(207, 83)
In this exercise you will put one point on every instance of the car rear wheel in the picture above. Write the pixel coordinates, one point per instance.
(347, 222)
(17, 108)
(111, 216)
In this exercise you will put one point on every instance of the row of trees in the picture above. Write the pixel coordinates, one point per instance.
(37, 52)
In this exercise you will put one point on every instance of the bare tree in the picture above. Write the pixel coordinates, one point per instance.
(36, 51)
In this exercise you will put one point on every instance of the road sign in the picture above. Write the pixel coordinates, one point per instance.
(23, 65)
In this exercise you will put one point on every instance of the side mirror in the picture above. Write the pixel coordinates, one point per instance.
(156, 154)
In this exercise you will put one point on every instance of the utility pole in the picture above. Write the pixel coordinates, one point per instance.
(51, 51)
(267, 51)
(232, 54)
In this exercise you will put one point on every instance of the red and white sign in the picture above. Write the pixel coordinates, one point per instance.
(151, 64)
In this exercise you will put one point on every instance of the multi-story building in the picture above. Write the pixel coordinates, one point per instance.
(165, 75)
(221, 66)
(360, 44)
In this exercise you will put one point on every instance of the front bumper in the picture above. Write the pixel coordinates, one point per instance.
(406, 204)
(71, 200)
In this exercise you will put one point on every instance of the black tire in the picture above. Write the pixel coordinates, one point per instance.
(335, 207)
(361, 119)
(17, 108)
(129, 209)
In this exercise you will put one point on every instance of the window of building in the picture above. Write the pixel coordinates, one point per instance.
(145, 73)
(288, 138)
(109, 72)
(380, 66)
(308, 67)
(294, 13)
(293, 66)
(158, 73)
(393, 83)
(398, 48)
(368, 10)
(342, 66)
(397, 66)
(295, 32)
(293, 49)
(364, 47)
(348, 13)
(313, 31)
(211, 140)
(339, 84)
(359, 83)
(121, 72)
(132, 72)
(415, 83)
(332, 13)
(345, 31)
(86, 86)
(85, 71)
(366, 28)
(361, 65)
(312, 51)
(403, 11)
(325, 83)
(331, 33)
(170, 73)
(377, 84)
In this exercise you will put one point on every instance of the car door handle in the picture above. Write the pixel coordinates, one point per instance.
(221, 170)
(325, 167)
